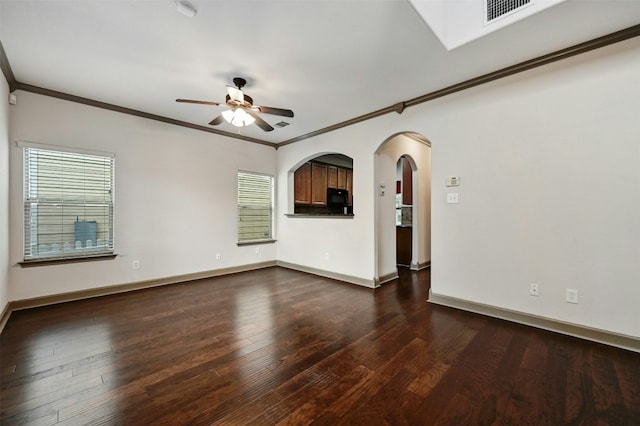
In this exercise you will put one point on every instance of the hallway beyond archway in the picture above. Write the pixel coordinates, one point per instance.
(417, 151)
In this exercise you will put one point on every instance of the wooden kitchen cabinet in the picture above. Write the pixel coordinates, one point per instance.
(403, 245)
(407, 184)
(332, 178)
(336, 177)
(350, 186)
(319, 184)
(312, 180)
(302, 185)
(342, 178)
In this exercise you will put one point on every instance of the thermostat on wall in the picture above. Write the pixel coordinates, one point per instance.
(453, 181)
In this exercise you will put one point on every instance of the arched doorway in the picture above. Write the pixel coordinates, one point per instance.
(405, 169)
(416, 150)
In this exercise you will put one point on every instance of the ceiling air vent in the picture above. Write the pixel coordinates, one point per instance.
(281, 124)
(495, 9)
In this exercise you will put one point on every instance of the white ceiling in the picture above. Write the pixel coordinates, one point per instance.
(328, 60)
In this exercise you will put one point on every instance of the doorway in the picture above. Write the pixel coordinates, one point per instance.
(415, 150)
(404, 212)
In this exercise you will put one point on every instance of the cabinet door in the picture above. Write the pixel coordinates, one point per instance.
(349, 174)
(342, 178)
(407, 184)
(403, 246)
(318, 184)
(333, 179)
(302, 185)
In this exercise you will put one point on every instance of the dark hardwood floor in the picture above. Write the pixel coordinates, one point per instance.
(277, 346)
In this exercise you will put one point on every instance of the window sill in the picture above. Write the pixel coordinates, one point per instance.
(61, 260)
(255, 242)
(321, 216)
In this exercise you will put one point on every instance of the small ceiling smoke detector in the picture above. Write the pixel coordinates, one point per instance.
(186, 8)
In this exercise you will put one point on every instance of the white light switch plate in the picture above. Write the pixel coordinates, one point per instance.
(452, 198)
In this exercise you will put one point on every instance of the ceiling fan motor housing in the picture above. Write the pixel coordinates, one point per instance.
(248, 102)
(241, 111)
(239, 82)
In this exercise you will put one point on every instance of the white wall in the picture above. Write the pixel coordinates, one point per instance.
(343, 246)
(349, 243)
(550, 191)
(548, 161)
(4, 195)
(175, 196)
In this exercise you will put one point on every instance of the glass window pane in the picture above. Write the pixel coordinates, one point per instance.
(68, 209)
(255, 207)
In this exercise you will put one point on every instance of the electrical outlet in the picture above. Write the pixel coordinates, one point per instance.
(135, 264)
(257, 250)
(326, 256)
(217, 256)
(452, 198)
(572, 295)
(534, 289)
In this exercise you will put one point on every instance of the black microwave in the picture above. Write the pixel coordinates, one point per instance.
(337, 197)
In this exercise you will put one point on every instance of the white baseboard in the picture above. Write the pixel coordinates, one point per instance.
(6, 312)
(386, 278)
(420, 266)
(328, 274)
(596, 335)
(122, 288)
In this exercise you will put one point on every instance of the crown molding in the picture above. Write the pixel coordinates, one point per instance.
(6, 70)
(134, 112)
(558, 55)
(398, 108)
(549, 58)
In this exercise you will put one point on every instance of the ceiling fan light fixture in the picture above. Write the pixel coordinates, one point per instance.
(242, 112)
(241, 118)
(238, 117)
(227, 115)
(247, 119)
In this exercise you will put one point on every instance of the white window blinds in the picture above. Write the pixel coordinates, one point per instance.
(68, 204)
(255, 207)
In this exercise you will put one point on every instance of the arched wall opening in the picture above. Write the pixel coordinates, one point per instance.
(417, 150)
(335, 160)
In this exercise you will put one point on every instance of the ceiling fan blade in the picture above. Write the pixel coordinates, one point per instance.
(276, 111)
(260, 122)
(191, 101)
(216, 121)
(235, 94)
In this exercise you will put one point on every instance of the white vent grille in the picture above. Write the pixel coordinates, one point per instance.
(495, 9)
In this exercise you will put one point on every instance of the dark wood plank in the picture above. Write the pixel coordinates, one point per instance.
(276, 346)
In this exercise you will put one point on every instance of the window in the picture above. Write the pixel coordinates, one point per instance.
(68, 203)
(255, 207)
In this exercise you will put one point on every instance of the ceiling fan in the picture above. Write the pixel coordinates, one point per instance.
(242, 111)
